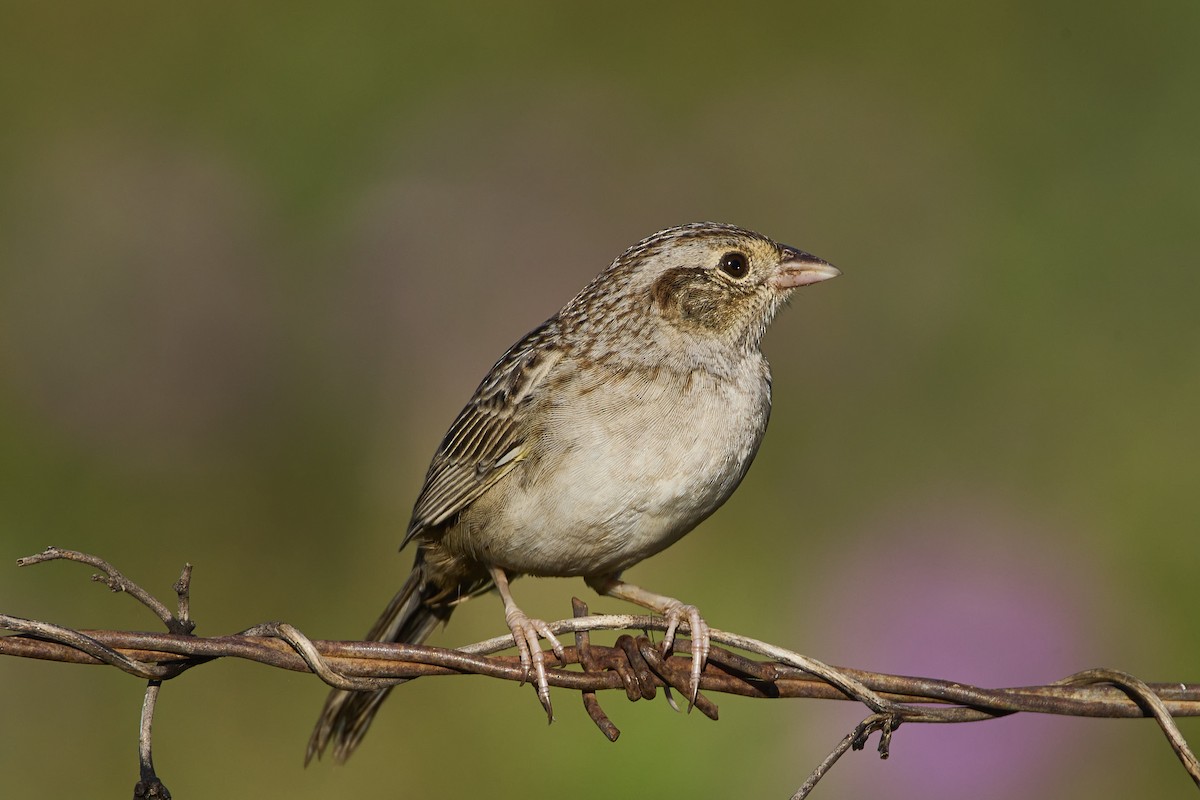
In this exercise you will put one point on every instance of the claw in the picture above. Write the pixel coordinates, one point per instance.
(527, 632)
(676, 613)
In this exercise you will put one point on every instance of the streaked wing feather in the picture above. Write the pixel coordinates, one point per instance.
(488, 438)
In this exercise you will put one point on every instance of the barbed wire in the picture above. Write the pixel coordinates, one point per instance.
(633, 664)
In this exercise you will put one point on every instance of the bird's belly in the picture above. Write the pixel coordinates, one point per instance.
(619, 487)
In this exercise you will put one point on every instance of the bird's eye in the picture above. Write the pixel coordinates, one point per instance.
(734, 265)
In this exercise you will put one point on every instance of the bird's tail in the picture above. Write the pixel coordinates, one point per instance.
(416, 610)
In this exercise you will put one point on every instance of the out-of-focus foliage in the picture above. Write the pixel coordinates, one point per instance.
(254, 256)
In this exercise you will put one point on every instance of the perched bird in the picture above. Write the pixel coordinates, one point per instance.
(597, 440)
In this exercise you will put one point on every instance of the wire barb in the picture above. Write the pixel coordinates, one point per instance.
(148, 786)
(589, 663)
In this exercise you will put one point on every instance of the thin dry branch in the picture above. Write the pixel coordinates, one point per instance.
(633, 664)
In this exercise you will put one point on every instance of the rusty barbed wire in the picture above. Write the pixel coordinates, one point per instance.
(633, 664)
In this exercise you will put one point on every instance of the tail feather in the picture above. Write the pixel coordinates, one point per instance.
(412, 615)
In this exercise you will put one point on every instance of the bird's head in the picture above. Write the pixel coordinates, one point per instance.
(699, 285)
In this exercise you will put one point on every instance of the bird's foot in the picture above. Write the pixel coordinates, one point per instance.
(527, 631)
(676, 612)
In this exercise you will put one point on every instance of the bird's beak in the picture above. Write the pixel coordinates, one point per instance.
(799, 268)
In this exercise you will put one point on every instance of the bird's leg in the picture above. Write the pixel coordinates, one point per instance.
(673, 611)
(526, 631)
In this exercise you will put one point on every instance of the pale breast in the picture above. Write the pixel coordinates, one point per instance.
(634, 461)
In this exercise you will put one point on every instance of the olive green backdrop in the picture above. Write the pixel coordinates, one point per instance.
(254, 257)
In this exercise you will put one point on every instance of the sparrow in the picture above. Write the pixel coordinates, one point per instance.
(597, 440)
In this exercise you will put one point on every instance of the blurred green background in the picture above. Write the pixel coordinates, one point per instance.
(254, 257)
